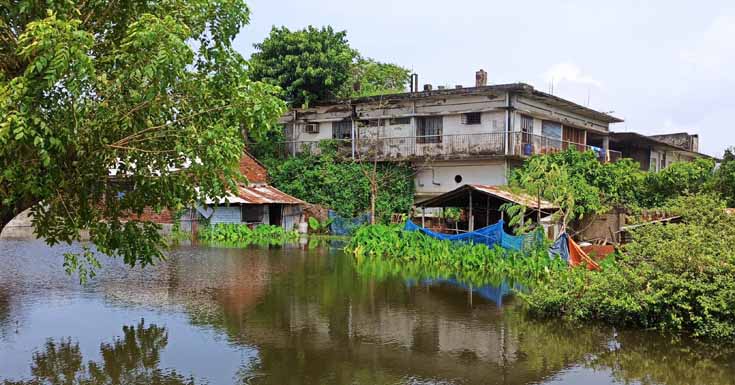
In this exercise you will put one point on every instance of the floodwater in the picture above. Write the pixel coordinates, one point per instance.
(300, 315)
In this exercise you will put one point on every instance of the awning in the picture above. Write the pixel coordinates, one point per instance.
(258, 195)
(460, 196)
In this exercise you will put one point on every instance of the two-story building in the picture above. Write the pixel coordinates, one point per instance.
(457, 136)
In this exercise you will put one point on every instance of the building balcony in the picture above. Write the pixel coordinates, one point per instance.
(447, 147)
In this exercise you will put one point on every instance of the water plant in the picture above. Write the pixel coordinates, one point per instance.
(425, 257)
(319, 227)
(242, 233)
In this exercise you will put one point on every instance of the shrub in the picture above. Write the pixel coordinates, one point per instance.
(675, 277)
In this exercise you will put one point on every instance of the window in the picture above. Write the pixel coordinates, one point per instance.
(526, 128)
(472, 118)
(342, 129)
(376, 123)
(551, 130)
(311, 128)
(252, 213)
(429, 129)
(400, 121)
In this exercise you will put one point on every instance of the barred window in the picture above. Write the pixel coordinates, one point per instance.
(472, 118)
(399, 121)
(429, 129)
(342, 129)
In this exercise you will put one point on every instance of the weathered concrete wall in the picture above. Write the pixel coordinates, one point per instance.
(681, 139)
(601, 227)
(540, 111)
(19, 228)
(439, 177)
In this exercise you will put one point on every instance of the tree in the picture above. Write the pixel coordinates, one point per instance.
(106, 109)
(318, 64)
(543, 177)
(370, 77)
(679, 178)
(725, 177)
(310, 64)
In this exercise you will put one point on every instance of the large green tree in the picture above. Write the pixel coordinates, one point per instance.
(310, 64)
(318, 64)
(107, 108)
(370, 77)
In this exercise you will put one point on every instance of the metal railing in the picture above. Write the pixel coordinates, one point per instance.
(445, 147)
(524, 145)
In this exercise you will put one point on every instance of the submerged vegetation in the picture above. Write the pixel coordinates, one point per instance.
(241, 233)
(385, 249)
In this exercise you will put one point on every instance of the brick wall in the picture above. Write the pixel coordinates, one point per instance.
(165, 216)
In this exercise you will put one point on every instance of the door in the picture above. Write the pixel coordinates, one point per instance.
(275, 215)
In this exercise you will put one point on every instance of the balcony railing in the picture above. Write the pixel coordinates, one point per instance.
(447, 147)
(525, 145)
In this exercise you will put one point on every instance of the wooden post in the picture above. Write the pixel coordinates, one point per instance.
(471, 218)
(487, 212)
(444, 216)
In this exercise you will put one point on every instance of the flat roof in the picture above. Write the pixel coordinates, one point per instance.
(636, 137)
(518, 88)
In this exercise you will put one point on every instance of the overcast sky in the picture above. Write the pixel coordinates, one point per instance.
(663, 66)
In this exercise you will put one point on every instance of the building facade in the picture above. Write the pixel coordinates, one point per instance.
(458, 136)
(656, 152)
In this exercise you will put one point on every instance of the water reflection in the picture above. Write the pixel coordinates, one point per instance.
(132, 359)
(309, 315)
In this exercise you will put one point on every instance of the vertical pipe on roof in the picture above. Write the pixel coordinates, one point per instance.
(507, 123)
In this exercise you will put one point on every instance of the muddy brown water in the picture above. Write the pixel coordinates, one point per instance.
(295, 315)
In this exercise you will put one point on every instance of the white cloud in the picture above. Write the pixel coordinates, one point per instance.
(713, 49)
(569, 72)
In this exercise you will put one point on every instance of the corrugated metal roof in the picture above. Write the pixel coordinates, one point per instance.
(265, 194)
(258, 195)
(515, 197)
(503, 193)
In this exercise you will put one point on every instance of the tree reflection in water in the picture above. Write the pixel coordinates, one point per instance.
(132, 359)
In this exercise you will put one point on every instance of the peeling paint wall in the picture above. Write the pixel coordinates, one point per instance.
(440, 177)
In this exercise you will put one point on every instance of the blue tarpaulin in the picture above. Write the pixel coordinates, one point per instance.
(490, 236)
(527, 241)
(560, 248)
(346, 226)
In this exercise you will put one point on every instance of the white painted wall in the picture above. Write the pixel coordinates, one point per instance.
(438, 177)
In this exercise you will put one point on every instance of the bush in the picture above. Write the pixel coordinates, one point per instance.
(675, 277)
(694, 177)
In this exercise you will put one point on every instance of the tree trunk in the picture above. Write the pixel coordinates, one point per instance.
(373, 198)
